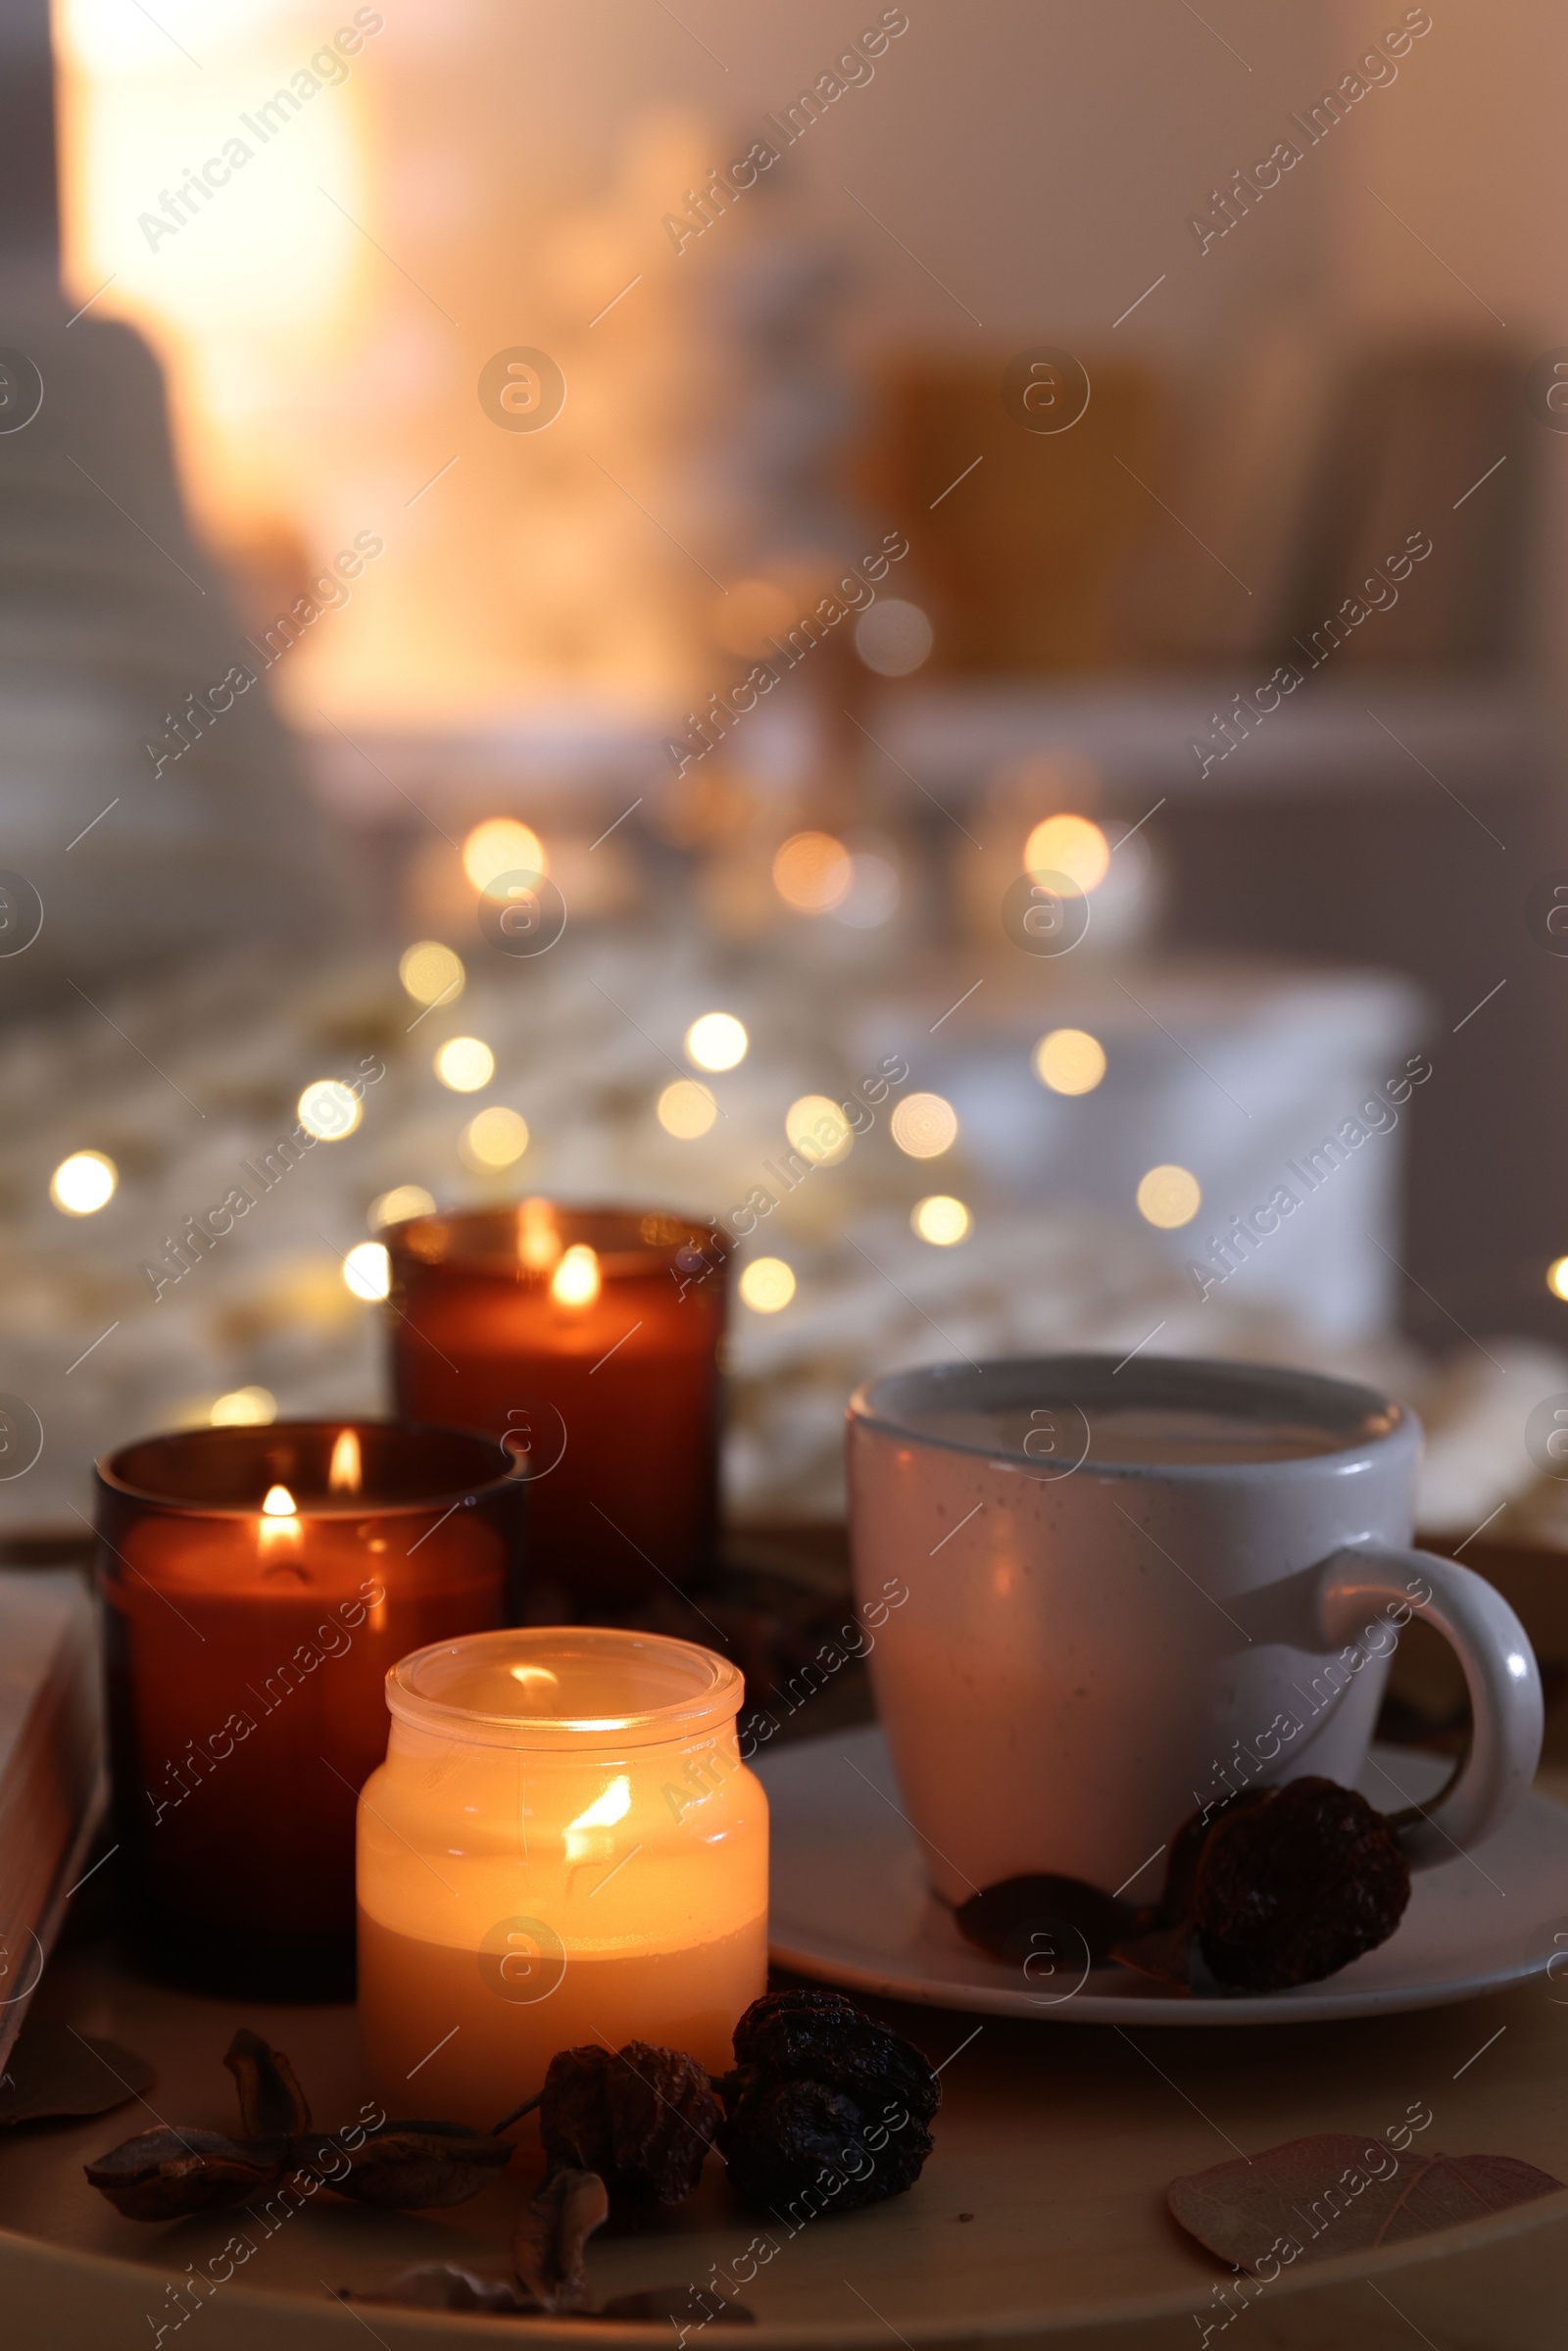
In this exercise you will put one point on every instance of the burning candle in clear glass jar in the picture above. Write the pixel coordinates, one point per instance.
(586, 1340)
(257, 1584)
(563, 1846)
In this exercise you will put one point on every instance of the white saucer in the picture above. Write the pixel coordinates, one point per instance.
(851, 1905)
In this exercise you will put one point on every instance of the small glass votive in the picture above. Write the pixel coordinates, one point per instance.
(563, 1846)
(257, 1584)
(586, 1340)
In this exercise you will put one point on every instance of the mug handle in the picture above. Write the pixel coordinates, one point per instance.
(1500, 1671)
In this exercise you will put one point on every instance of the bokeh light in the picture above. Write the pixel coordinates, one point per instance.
(941, 1219)
(83, 1183)
(1071, 846)
(717, 1041)
(244, 1408)
(1557, 1276)
(812, 872)
(465, 1063)
(924, 1125)
(818, 1130)
(1169, 1195)
(328, 1109)
(502, 845)
(767, 1285)
(431, 973)
(403, 1200)
(368, 1269)
(494, 1138)
(686, 1109)
(1070, 1062)
(893, 637)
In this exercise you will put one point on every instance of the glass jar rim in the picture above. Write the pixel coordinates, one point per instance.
(114, 1475)
(714, 1688)
(483, 1241)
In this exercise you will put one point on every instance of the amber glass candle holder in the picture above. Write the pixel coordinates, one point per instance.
(258, 1583)
(586, 1340)
(562, 1847)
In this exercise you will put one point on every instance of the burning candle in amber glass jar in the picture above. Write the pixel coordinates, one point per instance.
(258, 1583)
(563, 1846)
(586, 1340)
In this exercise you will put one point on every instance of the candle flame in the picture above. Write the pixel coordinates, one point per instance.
(576, 1280)
(345, 1472)
(279, 1502)
(538, 1242)
(603, 1813)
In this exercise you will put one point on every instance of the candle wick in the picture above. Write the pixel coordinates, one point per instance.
(516, 2113)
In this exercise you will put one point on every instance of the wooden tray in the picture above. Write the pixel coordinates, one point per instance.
(1039, 2219)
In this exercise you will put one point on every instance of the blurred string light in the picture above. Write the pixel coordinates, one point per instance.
(1169, 1195)
(431, 973)
(83, 1184)
(403, 1200)
(328, 1109)
(494, 1138)
(767, 1285)
(925, 1126)
(818, 1130)
(1070, 1062)
(1557, 1276)
(1072, 845)
(717, 1041)
(368, 1269)
(941, 1219)
(812, 872)
(686, 1109)
(893, 637)
(244, 1408)
(872, 895)
(465, 1063)
(501, 844)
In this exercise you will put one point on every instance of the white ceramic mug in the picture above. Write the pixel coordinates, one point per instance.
(1091, 1650)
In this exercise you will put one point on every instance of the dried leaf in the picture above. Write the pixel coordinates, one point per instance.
(53, 2071)
(1165, 1953)
(546, 2244)
(438, 2285)
(272, 2103)
(689, 2306)
(404, 2167)
(642, 2117)
(1316, 2198)
(165, 2175)
(1046, 1918)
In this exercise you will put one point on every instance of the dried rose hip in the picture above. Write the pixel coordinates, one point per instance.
(1292, 1884)
(643, 2117)
(826, 2109)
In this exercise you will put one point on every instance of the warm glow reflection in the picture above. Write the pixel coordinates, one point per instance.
(1169, 1195)
(1072, 845)
(431, 973)
(465, 1063)
(812, 872)
(818, 1130)
(925, 1126)
(717, 1041)
(345, 1471)
(767, 1285)
(368, 1269)
(1071, 1061)
(941, 1219)
(538, 1240)
(401, 1203)
(536, 1680)
(686, 1109)
(576, 1280)
(603, 1813)
(501, 844)
(83, 1183)
(244, 1408)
